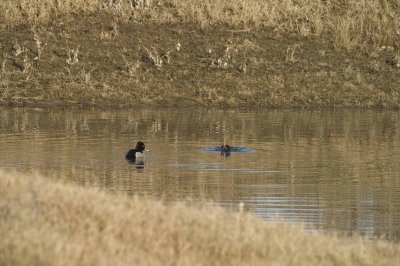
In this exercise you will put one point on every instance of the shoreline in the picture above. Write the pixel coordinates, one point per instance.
(62, 105)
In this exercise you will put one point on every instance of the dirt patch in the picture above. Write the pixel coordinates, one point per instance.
(101, 61)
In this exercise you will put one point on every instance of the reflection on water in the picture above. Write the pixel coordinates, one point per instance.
(332, 170)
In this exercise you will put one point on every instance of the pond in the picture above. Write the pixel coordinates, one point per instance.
(332, 170)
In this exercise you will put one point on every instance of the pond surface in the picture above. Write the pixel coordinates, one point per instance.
(332, 170)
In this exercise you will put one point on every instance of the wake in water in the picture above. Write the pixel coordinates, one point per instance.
(232, 149)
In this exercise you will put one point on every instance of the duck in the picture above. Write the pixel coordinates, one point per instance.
(136, 154)
(225, 150)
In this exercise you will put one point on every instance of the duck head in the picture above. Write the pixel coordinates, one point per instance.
(140, 147)
(225, 150)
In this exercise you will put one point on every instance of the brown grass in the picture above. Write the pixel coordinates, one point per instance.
(352, 24)
(97, 60)
(232, 53)
(47, 223)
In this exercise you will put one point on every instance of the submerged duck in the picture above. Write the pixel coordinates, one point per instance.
(228, 149)
(225, 150)
(136, 154)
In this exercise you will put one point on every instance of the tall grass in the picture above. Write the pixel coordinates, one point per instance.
(352, 23)
(44, 223)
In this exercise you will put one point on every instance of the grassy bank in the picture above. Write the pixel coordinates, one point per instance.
(228, 53)
(43, 223)
(353, 23)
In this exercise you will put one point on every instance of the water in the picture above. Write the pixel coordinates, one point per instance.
(334, 170)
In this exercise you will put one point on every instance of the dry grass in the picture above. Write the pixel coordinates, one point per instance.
(44, 223)
(353, 23)
(96, 60)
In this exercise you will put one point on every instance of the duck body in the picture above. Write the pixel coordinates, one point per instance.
(137, 153)
(139, 158)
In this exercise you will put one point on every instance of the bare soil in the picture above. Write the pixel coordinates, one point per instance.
(97, 60)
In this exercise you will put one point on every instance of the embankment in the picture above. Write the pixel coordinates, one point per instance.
(222, 53)
(47, 223)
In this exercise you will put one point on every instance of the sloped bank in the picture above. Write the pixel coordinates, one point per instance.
(44, 223)
(98, 60)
